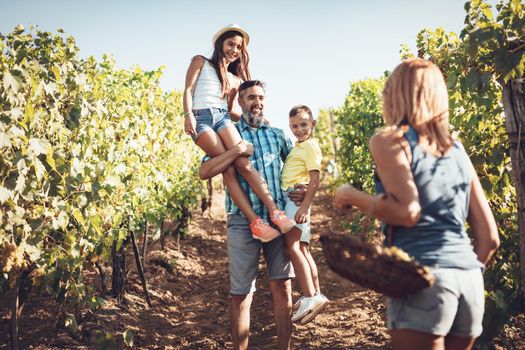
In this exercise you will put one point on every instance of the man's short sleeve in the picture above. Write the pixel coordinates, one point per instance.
(286, 144)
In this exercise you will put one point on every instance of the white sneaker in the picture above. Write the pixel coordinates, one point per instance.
(319, 305)
(298, 303)
(309, 308)
(324, 297)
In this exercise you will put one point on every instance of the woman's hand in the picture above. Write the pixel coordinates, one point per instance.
(343, 196)
(189, 124)
(301, 216)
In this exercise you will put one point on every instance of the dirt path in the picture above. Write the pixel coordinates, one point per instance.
(199, 291)
(190, 304)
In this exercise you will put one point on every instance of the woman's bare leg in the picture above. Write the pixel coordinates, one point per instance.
(211, 143)
(453, 342)
(405, 339)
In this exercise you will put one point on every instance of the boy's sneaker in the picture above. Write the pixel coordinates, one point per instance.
(324, 297)
(309, 308)
(298, 303)
(320, 304)
(284, 222)
(263, 231)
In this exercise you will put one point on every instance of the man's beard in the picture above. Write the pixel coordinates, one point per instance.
(253, 120)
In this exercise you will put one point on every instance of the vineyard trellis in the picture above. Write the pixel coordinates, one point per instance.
(89, 154)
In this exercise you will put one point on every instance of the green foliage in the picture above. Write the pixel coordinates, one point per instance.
(128, 338)
(87, 152)
(326, 138)
(357, 121)
(105, 341)
(495, 46)
(495, 51)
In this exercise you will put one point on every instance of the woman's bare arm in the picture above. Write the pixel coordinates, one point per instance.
(400, 206)
(481, 220)
(187, 99)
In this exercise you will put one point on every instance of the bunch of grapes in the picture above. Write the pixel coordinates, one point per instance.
(397, 253)
(12, 259)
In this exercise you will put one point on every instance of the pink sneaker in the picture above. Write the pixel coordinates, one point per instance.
(263, 231)
(284, 222)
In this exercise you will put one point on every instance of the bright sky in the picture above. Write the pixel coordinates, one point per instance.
(307, 52)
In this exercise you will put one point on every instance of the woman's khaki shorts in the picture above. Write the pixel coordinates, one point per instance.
(453, 305)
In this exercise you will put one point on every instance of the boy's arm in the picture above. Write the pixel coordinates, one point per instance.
(302, 213)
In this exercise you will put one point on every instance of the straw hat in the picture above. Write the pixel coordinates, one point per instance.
(227, 29)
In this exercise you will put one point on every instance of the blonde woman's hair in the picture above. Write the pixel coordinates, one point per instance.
(416, 93)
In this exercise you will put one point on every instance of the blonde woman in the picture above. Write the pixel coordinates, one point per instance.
(427, 190)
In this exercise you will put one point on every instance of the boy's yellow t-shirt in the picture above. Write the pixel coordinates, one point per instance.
(304, 157)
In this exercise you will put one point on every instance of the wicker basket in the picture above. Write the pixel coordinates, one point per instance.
(369, 266)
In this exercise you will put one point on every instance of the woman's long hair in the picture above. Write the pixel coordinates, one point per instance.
(416, 93)
(239, 67)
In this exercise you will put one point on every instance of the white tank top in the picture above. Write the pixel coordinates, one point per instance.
(208, 90)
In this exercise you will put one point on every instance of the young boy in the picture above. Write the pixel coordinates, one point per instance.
(302, 166)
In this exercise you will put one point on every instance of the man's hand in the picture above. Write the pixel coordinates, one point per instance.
(301, 216)
(343, 195)
(245, 148)
(298, 193)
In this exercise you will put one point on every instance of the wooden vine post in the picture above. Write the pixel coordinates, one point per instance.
(514, 104)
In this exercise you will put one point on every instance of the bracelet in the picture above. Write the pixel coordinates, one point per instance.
(187, 114)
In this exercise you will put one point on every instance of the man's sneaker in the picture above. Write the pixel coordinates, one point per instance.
(284, 222)
(263, 231)
(309, 308)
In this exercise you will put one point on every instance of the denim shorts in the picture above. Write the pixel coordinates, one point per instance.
(243, 256)
(213, 118)
(290, 209)
(453, 305)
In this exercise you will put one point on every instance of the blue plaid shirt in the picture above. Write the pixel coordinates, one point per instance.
(270, 149)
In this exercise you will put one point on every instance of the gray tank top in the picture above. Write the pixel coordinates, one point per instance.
(439, 239)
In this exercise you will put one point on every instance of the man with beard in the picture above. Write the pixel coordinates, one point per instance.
(267, 148)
